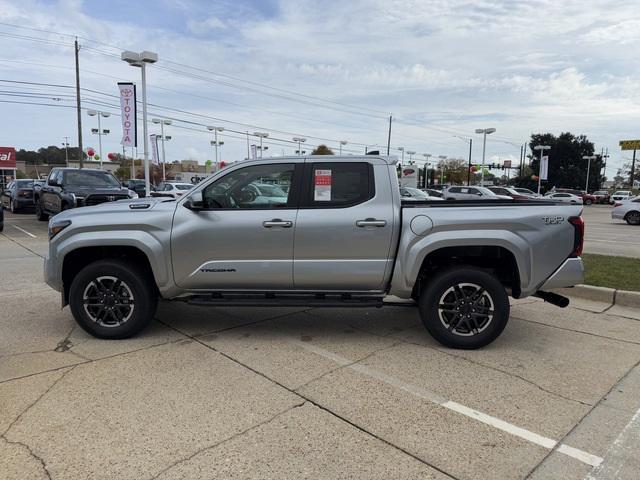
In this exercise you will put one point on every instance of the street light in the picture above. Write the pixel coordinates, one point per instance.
(140, 60)
(342, 142)
(162, 123)
(261, 135)
(99, 131)
(301, 140)
(589, 158)
(426, 156)
(484, 132)
(215, 143)
(402, 150)
(541, 148)
(411, 153)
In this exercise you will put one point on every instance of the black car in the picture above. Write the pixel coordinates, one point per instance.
(18, 195)
(73, 187)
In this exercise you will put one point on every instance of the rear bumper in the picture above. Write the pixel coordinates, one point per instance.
(570, 273)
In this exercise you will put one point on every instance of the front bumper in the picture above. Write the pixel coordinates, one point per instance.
(570, 273)
(52, 275)
(617, 215)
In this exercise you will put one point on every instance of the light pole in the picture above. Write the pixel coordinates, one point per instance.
(99, 131)
(162, 123)
(301, 140)
(541, 148)
(470, 140)
(589, 158)
(261, 135)
(402, 150)
(484, 132)
(342, 143)
(66, 150)
(140, 60)
(215, 143)
(411, 153)
(426, 156)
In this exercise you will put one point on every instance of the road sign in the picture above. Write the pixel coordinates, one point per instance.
(630, 144)
(507, 164)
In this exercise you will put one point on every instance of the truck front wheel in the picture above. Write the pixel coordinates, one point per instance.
(464, 307)
(112, 299)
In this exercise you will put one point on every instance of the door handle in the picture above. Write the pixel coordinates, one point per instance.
(371, 222)
(276, 222)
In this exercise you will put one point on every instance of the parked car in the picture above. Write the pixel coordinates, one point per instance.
(471, 193)
(18, 195)
(587, 199)
(627, 210)
(137, 186)
(415, 194)
(509, 192)
(67, 188)
(601, 196)
(526, 191)
(355, 243)
(564, 198)
(171, 189)
(620, 195)
(432, 192)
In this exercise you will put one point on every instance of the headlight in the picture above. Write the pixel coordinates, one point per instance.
(56, 226)
(132, 194)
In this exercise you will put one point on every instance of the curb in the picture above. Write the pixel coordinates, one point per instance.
(623, 298)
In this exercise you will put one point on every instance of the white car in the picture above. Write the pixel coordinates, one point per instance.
(619, 196)
(410, 193)
(172, 189)
(564, 198)
(627, 210)
(472, 193)
(526, 191)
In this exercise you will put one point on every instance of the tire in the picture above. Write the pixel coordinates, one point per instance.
(458, 288)
(12, 206)
(40, 213)
(588, 202)
(633, 218)
(126, 288)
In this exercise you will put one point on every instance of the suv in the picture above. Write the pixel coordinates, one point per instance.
(73, 187)
(620, 195)
(472, 193)
(601, 196)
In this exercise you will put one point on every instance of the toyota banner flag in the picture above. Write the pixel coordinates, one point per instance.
(544, 168)
(154, 149)
(129, 114)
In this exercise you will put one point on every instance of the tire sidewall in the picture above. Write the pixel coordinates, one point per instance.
(628, 218)
(436, 287)
(143, 294)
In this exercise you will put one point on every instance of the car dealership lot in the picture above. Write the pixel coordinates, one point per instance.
(313, 393)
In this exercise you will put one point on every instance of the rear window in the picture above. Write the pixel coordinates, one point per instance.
(184, 186)
(337, 184)
(25, 184)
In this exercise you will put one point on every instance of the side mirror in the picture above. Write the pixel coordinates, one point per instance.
(479, 194)
(54, 183)
(194, 201)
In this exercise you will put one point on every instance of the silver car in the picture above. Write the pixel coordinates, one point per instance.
(564, 198)
(472, 193)
(627, 210)
(410, 193)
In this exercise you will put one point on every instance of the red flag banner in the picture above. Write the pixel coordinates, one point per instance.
(7, 158)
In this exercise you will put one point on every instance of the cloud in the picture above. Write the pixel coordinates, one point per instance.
(205, 26)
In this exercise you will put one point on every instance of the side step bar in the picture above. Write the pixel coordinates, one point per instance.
(286, 300)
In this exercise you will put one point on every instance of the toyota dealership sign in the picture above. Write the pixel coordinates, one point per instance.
(7, 158)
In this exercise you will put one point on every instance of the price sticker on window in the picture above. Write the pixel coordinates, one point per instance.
(322, 184)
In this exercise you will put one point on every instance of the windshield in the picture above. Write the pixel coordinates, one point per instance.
(485, 191)
(90, 179)
(270, 190)
(25, 184)
(183, 186)
(622, 192)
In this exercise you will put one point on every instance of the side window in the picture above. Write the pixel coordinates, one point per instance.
(337, 184)
(254, 187)
(454, 190)
(471, 191)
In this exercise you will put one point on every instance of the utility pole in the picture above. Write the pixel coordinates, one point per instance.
(78, 105)
(633, 167)
(66, 150)
(469, 167)
(389, 137)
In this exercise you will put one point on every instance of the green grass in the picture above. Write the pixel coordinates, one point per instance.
(614, 272)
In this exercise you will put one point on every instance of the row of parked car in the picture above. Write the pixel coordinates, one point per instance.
(67, 188)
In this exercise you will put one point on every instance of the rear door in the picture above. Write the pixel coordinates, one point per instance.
(344, 228)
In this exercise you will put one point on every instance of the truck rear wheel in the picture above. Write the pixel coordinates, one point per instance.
(464, 307)
(112, 299)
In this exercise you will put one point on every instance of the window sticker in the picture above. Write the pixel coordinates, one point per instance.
(322, 186)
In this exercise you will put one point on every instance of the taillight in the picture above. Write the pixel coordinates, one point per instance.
(617, 204)
(578, 236)
(24, 193)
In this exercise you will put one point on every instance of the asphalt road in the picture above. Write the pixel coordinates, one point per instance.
(605, 236)
(309, 393)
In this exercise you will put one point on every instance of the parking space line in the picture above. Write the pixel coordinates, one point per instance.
(474, 414)
(24, 231)
(621, 449)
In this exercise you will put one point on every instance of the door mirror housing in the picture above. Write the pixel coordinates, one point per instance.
(194, 201)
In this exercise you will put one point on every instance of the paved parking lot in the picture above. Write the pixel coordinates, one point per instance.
(609, 237)
(310, 393)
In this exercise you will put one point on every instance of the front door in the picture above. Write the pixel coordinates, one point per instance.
(242, 239)
(344, 227)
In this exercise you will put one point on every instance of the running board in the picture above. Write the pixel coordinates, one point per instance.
(285, 300)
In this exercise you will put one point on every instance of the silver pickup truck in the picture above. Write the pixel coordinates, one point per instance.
(315, 231)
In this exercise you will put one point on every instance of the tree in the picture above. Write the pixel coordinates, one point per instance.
(50, 155)
(567, 168)
(454, 170)
(322, 150)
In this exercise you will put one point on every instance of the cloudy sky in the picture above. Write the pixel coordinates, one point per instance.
(329, 71)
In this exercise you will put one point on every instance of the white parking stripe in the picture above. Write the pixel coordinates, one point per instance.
(623, 448)
(24, 231)
(433, 397)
